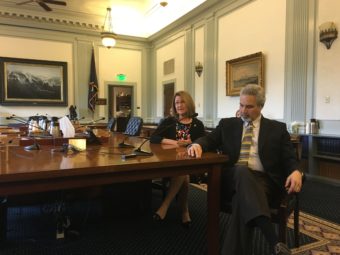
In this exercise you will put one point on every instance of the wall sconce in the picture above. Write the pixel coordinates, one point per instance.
(328, 34)
(108, 37)
(198, 68)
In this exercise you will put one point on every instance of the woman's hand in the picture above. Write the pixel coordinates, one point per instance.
(184, 142)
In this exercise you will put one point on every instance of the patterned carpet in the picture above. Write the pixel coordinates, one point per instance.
(33, 232)
(317, 236)
(325, 233)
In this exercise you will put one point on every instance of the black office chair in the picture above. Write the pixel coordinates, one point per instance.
(282, 210)
(134, 126)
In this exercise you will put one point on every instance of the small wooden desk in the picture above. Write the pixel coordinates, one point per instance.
(25, 172)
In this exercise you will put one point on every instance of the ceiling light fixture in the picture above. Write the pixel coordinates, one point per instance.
(108, 36)
(163, 3)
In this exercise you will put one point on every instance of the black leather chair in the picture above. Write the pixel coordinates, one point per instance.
(282, 210)
(134, 126)
(290, 204)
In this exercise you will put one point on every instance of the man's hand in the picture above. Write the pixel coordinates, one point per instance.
(195, 150)
(294, 182)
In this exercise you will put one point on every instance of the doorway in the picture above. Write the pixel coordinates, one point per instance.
(168, 94)
(120, 104)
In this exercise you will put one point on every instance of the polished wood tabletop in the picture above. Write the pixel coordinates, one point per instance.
(17, 164)
(47, 169)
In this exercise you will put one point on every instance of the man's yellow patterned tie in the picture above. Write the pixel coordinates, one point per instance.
(245, 146)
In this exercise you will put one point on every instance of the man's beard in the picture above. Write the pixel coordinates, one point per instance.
(246, 118)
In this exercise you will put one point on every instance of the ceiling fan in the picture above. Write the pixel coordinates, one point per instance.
(43, 3)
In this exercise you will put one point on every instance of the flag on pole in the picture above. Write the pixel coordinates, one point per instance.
(93, 85)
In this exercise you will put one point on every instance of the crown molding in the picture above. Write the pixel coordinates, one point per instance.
(43, 21)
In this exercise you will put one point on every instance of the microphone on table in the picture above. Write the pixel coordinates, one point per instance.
(125, 145)
(95, 121)
(157, 132)
(92, 138)
(140, 152)
(35, 145)
(20, 120)
(92, 122)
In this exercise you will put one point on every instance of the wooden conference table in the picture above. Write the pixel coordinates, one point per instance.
(25, 172)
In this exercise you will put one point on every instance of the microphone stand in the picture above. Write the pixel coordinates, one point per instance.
(125, 145)
(35, 145)
(92, 122)
(93, 139)
(140, 152)
(158, 132)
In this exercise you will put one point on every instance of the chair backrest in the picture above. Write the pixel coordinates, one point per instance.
(134, 126)
(111, 124)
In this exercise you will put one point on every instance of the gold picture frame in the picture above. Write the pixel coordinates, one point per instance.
(242, 71)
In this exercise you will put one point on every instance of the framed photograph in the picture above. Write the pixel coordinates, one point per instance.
(242, 71)
(28, 82)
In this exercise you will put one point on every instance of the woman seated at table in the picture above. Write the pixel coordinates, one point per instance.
(180, 129)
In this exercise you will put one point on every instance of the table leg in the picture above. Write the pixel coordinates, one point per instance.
(213, 210)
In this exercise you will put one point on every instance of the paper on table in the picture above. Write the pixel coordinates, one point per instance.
(66, 127)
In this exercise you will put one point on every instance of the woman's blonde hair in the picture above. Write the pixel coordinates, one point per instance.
(189, 102)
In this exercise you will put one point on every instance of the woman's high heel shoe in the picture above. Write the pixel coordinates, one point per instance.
(157, 218)
(186, 224)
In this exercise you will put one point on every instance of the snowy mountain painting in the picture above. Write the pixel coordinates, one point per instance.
(29, 82)
(35, 82)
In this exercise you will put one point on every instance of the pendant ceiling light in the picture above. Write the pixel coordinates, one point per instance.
(108, 36)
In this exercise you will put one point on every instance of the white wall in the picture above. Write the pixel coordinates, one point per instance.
(15, 47)
(120, 61)
(327, 75)
(258, 26)
(175, 50)
(199, 57)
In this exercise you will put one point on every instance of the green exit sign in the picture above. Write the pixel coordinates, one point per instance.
(121, 77)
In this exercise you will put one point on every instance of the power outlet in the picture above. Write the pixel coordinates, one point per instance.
(327, 99)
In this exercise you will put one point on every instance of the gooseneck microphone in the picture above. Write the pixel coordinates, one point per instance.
(172, 124)
(125, 145)
(20, 120)
(95, 121)
(139, 150)
(92, 138)
(92, 122)
(35, 145)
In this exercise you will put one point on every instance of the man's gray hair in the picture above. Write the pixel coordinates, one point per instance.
(254, 90)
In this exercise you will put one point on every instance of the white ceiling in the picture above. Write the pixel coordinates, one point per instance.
(140, 18)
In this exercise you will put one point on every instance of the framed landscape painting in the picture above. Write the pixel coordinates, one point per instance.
(29, 82)
(242, 71)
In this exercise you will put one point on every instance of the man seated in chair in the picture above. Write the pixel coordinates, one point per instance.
(262, 167)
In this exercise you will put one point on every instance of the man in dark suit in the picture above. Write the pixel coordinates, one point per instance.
(258, 173)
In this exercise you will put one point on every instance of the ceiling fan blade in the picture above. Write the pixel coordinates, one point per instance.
(43, 5)
(54, 2)
(26, 2)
